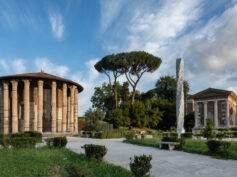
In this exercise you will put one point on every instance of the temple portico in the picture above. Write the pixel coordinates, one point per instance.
(220, 105)
(38, 102)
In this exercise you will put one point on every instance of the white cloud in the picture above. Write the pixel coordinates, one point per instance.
(109, 11)
(232, 89)
(4, 65)
(57, 25)
(18, 66)
(150, 30)
(89, 80)
(46, 65)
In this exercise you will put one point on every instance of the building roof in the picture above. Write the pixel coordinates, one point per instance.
(213, 93)
(41, 75)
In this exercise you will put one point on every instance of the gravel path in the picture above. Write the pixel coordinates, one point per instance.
(164, 163)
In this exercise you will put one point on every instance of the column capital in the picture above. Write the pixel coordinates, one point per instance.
(54, 83)
(64, 85)
(5, 85)
(40, 82)
(26, 81)
(14, 84)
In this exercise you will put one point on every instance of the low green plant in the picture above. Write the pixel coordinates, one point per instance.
(95, 151)
(216, 146)
(208, 132)
(169, 139)
(22, 142)
(36, 135)
(60, 142)
(140, 165)
(187, 135)
(4, 141)
(130, 135)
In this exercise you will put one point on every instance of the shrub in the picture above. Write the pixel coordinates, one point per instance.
(220, 135)
(215, 146)
(22, 142)
(208, 132)
(130, 135)
(170, 139)
(187, 135)
(223, 129)
(19, 135)
(4, 141)
(95, 151)
(140, 165)
(60, 142)
(36, 135)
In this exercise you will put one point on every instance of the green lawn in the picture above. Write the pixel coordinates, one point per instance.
(54, 163)
(200, 147)
(191, 146)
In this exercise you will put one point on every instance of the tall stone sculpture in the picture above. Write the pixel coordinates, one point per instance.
(180, 96)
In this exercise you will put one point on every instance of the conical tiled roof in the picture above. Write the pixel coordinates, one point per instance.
(41, 75)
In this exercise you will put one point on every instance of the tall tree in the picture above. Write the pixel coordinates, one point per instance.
(135, 64)
(103, 97)
(166, 88)
(107, 65)
(125, 92)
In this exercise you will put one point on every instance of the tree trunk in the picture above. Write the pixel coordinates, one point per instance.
(133, 94)
(115, 94)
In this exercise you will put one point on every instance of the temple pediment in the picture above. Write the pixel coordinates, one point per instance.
(212, 93)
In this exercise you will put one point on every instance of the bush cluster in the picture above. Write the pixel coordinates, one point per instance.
(130, 136)
(140, 165)
(21, 140)
(226, 134)
(170, 139)
(95, 151)
(116, 133)
(216, 146)
(59, 142)
(187, 135)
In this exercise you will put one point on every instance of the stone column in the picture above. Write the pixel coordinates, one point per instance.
(1, 108)
(196, 115)
(227, 114)
(72, 89)
(76, 111)
(5, 108)
(180, 96)
(14, 106)
(205, 113)
(26, 105)
(60, 110)
(216, 113)
(40, 106)
(64, 107)
(35, 108)
(53, 104)
(68, 113)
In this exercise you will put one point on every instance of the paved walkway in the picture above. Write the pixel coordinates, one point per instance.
(164, 163)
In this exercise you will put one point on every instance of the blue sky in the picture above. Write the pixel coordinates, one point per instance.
(67, 38)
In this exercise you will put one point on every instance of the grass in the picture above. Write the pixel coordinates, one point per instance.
(54, 163)
(192, 146)
(200, 147)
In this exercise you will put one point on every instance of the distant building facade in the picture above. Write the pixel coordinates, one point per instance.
(38, 102)
(220, 105)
